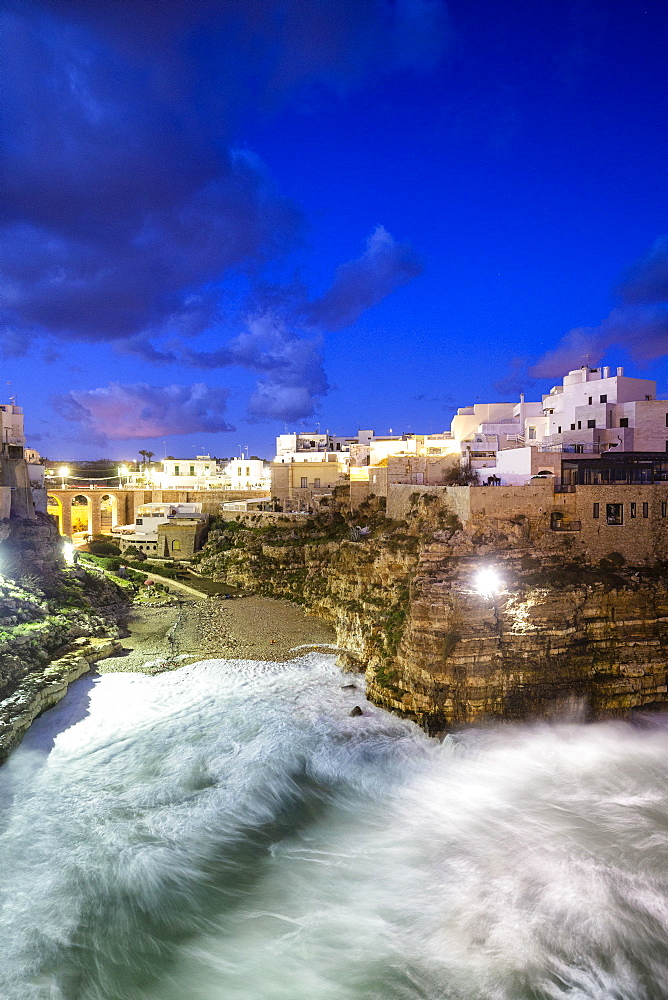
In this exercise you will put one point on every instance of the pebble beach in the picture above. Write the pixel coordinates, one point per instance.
(181, 629)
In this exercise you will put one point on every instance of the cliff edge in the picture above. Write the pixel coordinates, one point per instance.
(561, 632)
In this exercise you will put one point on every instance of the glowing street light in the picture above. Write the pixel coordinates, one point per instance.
(488, 582)
(122, 471)
(63, 472)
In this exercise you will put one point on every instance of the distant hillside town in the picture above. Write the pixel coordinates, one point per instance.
(592, 455)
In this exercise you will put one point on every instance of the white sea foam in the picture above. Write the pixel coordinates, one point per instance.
(228, 830)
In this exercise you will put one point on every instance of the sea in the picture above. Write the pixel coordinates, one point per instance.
(229, 831)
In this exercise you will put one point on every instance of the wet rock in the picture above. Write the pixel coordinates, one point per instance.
(356, 711)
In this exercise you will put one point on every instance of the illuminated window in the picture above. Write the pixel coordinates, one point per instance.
(176, 545)
(614, 513)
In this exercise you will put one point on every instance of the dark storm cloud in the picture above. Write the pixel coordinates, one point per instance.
(364, 282)
(639, 323)
(127, 203)
(123, 412)
(290, 366)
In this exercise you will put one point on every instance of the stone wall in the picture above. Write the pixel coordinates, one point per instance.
(188, 539)
(638, 539)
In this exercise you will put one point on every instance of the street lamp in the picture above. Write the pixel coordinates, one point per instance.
(63, 472)
(488, 582)
(122, 471)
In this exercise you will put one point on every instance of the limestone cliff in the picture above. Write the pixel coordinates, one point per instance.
(54, 622)
(404, 604)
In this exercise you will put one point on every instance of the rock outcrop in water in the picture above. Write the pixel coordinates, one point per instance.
(562, 633)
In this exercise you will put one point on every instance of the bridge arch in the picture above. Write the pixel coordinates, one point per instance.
(108, 511)
(54, 506)
(82, 520)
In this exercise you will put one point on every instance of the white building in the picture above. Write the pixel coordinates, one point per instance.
(143, 534)
(247, 474)
(199, 473)
(593, 411)
(12, 437)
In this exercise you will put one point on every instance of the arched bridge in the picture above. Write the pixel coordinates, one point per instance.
(93, 503)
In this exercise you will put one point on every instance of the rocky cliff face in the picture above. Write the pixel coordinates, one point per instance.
(54, 622)
(560, 634)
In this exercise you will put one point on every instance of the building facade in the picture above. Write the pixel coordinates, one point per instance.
(163, 530)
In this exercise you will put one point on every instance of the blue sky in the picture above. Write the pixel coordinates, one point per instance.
(224, 219)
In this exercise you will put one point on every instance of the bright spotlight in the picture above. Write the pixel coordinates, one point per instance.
(68, 552)
(488, 582)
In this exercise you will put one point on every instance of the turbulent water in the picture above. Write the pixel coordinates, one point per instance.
(229, 832)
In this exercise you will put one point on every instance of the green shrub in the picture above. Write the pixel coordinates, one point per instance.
(105, 548)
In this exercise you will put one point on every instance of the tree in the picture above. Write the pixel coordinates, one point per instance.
(148, 455)
(134, 553)
(461, 475)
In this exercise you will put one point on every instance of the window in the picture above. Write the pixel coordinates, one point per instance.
(614, 513)
(238, 470)
(664, 508)
(591, 423)
(177, 471)
(623, 421)
(645, 510)
(604, 398)
(590, 398)
(558, 430)
(248, 470)
(666, 419)
(572, 427)
(579, 425)
(304, 482)
(316, 483)
(648, 397)
(633, 510)
(192, 470)
(176, 545)
(532, 433)
(139, 520)
(595, 511)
